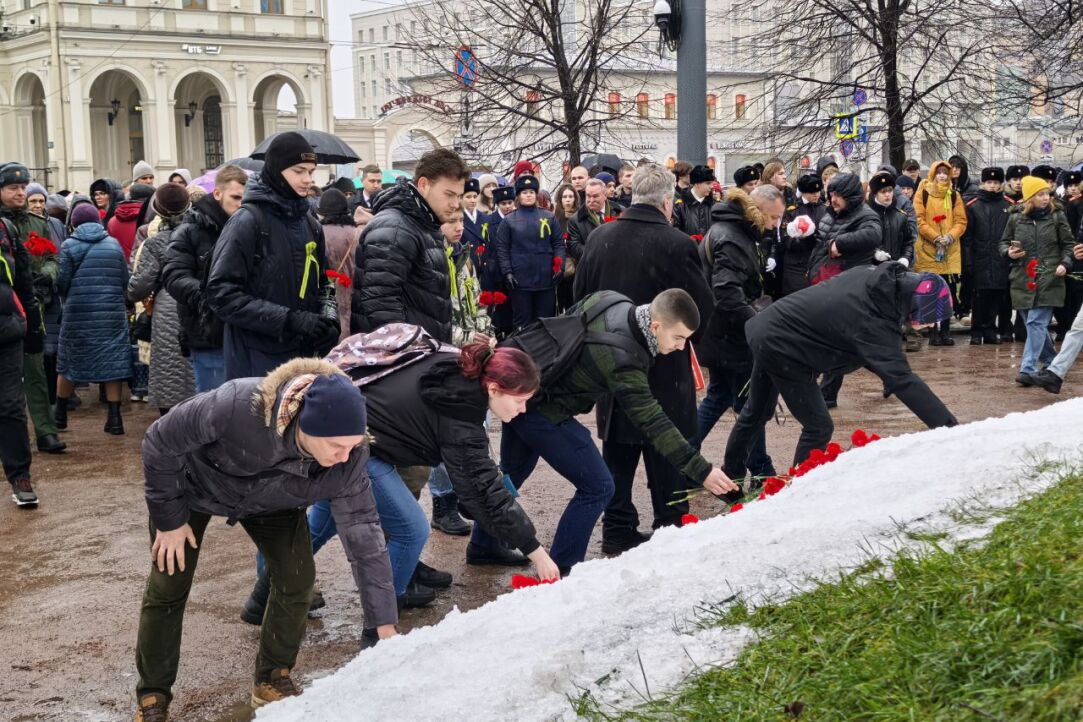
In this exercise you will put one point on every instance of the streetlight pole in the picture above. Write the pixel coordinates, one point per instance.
(692, 83)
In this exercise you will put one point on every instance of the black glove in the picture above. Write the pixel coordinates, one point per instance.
(510, 282)
(34, 342)
(326, 336)
(302, 323)
(43, 288)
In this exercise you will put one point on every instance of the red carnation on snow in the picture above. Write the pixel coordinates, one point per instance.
(859, 438)
(773, 485)
(1032, 286)
(38, 245)
(737, 507)
(687, 519)
(1032, 268)
(520, 581)
(833, 451)
(340, 278)
(940, 218)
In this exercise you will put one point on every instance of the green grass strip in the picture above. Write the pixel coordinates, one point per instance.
(991, 631)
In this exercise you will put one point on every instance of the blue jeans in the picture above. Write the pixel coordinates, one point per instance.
(570, 450)
(724, 392)
(209, 368)
(440, 482)
(1039, 345)
(1069, 350)
(401, 517)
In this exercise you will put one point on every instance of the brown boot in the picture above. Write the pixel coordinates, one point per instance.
(279, 686)
(152, 708)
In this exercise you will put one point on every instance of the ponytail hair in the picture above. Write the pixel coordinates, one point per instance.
(512, 370)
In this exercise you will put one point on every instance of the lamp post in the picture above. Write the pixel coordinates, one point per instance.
(115, 104)
(683, 27)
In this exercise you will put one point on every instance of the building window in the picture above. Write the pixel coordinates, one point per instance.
(387, 85)
(373, 88)
(614, 103)
(739, 106)
(374, 113)
(214, 147)
(372, 63)
(385, 33)
(271, 7)
(413, 27)
(533, 97)
(712, 106)
(195, 5)
(387, 61)
(362, 90)
(372, 35)
(643, 105)
(671, 106)
(398, 58)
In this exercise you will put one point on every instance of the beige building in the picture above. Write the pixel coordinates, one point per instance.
(87, 88)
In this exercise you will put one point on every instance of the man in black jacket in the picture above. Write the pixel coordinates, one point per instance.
(798, 242)
(267, 268)
(402, 271)
(736, 264)
(986, 218)
(692, 213)
(852, 321)
(184, 275)
(897, 233)
(257, 451)
(595, 211)
(639, 256)
(849, 234)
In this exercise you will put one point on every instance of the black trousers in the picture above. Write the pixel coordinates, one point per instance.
(830, 386)
(529, 306)
(804, 400)
(992, 312)
(14, 437)
(665, 484)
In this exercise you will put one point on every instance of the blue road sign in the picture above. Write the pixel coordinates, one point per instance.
(860, 96)
(1047, 146)
(863, 134)
(847, 147)
(466, 66)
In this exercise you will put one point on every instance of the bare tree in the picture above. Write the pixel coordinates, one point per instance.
(549, 71)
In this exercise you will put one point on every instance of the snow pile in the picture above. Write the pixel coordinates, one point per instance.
(620, 627)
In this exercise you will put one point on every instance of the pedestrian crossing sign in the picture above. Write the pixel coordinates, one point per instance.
(847, 125)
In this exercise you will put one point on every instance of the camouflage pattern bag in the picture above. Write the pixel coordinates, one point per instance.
(366, 357)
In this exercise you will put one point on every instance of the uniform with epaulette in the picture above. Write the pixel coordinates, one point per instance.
(488, 266)
(987, 215)
(692, 214)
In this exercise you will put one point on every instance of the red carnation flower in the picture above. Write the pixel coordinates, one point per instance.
(38, 245)
(833, 451)
(521, 581)
(481, 250)
(940, 218)
(558, 263)
(608, 219)
(1032, 286)
(697, 237)
(762, 496)
(874, 437)
(773, 485)
(1032, 268)
(499, 298)
(859, 438)
(687, 519)
(485, 298)
(737, 507)
(340, 278)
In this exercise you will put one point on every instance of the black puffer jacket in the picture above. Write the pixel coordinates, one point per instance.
(188, 261)
(692, 216)
(428, 413)
(898, 233)
(986, 217)
(734, 262)
(256, 280)
(851, 321)
(855, 231)
(402, 272)
(18, 308)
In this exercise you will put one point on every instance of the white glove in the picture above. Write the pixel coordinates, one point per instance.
(801, 227)
(904, 262)
(881, 256)
(770, 265)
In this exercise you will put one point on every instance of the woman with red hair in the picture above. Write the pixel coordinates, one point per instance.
(424, 414)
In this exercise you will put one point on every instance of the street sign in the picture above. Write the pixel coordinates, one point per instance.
(1047, 146)
(860, 96)
(863, 134)
(466, 66)
(847, 147)
(846, 125)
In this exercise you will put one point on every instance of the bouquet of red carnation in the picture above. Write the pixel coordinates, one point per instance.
(499, 298)
(339, 278)
(942, 240)
(558, 264)
(608, 219)
(697, 237)
(38, 245)
(481, 250)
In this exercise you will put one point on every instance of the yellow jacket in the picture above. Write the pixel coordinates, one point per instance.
(940, 212)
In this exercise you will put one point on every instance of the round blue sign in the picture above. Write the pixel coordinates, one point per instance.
(860, 97)
(847, 147)
(1047, 146)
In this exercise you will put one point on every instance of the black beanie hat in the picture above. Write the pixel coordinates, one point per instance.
(333, 203)
(810, 183)
(503, 193)
(472, 186)
(345, 185)
(285, 151)
(1016, 171)
(992, 174)
(170, 200)
(905, 181)
(333, 406)
(746, 174)
(702, 174)
(526, 183)
(141, 192)
(879, 182)
(1045, 172)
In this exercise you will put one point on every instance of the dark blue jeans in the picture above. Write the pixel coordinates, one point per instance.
(724, 392)
(570, 450)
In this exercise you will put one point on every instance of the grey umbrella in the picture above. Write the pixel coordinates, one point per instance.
(330, 149)
(608, 161)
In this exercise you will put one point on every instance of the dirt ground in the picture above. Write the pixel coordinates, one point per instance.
(72, 572)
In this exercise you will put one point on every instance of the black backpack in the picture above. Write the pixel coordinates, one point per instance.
(556, 343)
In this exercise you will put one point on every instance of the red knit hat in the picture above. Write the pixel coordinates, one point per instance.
(523, 166)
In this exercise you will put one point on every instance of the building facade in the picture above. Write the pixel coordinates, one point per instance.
(88, 88)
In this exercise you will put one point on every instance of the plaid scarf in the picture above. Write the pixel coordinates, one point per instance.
(293, 397)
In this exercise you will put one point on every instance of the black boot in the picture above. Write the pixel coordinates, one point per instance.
(620, 541)
(61, 413)
(500, 555)
(426, 576)
(369, 638)
(417, 595)
(51, 444)
(446, 518)
(113, 423)
(257, 600)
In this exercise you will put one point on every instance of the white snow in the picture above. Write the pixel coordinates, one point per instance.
(527, 654)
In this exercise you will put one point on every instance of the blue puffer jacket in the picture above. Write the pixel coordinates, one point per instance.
(94, 343)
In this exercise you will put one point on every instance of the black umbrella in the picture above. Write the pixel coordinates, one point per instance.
(608, 161)
(329, 148)
(245, 163)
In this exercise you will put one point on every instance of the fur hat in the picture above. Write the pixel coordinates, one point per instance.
(1033, 184)
(170, 200)
(702, 174)
(503, 193)
(472, 186)
(745, 174)
(1073, 178)
(1016, 171)
(879, 182)
(810, 183)
(13, 174)
(1046, 172)
(526, 183)
(992, 174)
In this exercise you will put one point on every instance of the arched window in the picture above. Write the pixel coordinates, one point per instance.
(671, 106)
(614, 103)
(533, 97)
(712, 106)
(643, 107)
(739, 106)
(213, 144)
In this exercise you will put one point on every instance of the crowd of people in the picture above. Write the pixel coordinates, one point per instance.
(319, 356)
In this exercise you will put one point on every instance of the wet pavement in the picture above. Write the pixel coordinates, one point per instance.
(72, 572)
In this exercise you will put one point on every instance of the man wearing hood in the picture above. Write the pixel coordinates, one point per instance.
(824, 163)
(849, 233)
(402, 269)
(106, 193)
(267, 268)
(966, 186)
(854, 320)
(128, 216)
